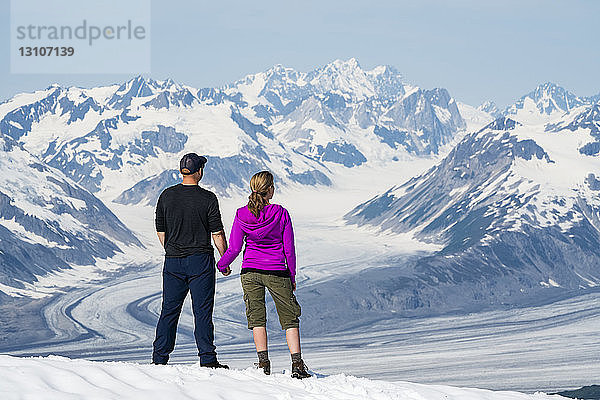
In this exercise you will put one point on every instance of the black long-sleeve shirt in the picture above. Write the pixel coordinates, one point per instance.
(188, 214)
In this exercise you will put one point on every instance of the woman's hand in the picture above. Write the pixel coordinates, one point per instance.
(227, 272)
(293, 286)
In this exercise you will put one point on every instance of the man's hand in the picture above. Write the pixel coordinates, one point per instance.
(161, 237)
(227, 272)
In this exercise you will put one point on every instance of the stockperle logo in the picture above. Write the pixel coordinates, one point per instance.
(92, 36)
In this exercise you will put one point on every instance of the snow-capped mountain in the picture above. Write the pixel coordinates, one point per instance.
(343, 114)
(546, 102)
(109, 139)
(47, 222)
(516, 208)
(121, 141)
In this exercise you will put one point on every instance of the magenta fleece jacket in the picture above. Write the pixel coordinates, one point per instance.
(269, 240)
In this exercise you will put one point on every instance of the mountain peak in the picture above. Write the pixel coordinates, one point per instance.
(137, 86)
(138, 79)
(488, 106)
(342, 76)
(350, 64)
(548, 98)
(548, 85)
(281, 70)
(501, 124)
(277, 68)
(168, 84)
(549, 89)
(349, 67)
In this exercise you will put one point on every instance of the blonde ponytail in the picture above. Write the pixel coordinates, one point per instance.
(259, 184)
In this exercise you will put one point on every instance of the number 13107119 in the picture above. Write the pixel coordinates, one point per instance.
(46, 51)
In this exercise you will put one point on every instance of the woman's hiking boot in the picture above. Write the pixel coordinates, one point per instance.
(265, 365)
(263, 361)
(299, 370)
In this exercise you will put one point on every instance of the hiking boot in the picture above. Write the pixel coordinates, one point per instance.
(265, 365)
(299, 370)
(215, 365)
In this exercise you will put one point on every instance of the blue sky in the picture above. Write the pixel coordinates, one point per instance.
(477, 49)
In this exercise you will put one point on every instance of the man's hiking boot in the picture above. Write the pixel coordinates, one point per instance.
(215, 365)
(265, 365)
(299, 370)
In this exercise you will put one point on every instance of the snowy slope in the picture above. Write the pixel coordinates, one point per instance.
(516, 208)
(48, 223)
(61, 378)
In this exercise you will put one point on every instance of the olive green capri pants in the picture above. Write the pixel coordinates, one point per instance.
(280, 288)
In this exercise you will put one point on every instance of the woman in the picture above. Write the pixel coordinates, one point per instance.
(269, 262)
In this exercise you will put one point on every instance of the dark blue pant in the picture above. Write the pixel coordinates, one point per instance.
(196, 274)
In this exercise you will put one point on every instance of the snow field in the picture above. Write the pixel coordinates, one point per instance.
(61, 378)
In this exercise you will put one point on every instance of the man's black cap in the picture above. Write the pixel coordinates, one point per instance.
(191, 163)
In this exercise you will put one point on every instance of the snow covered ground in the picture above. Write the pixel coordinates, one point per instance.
(61, 378)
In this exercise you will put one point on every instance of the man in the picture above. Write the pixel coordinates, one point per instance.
(186, 218)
